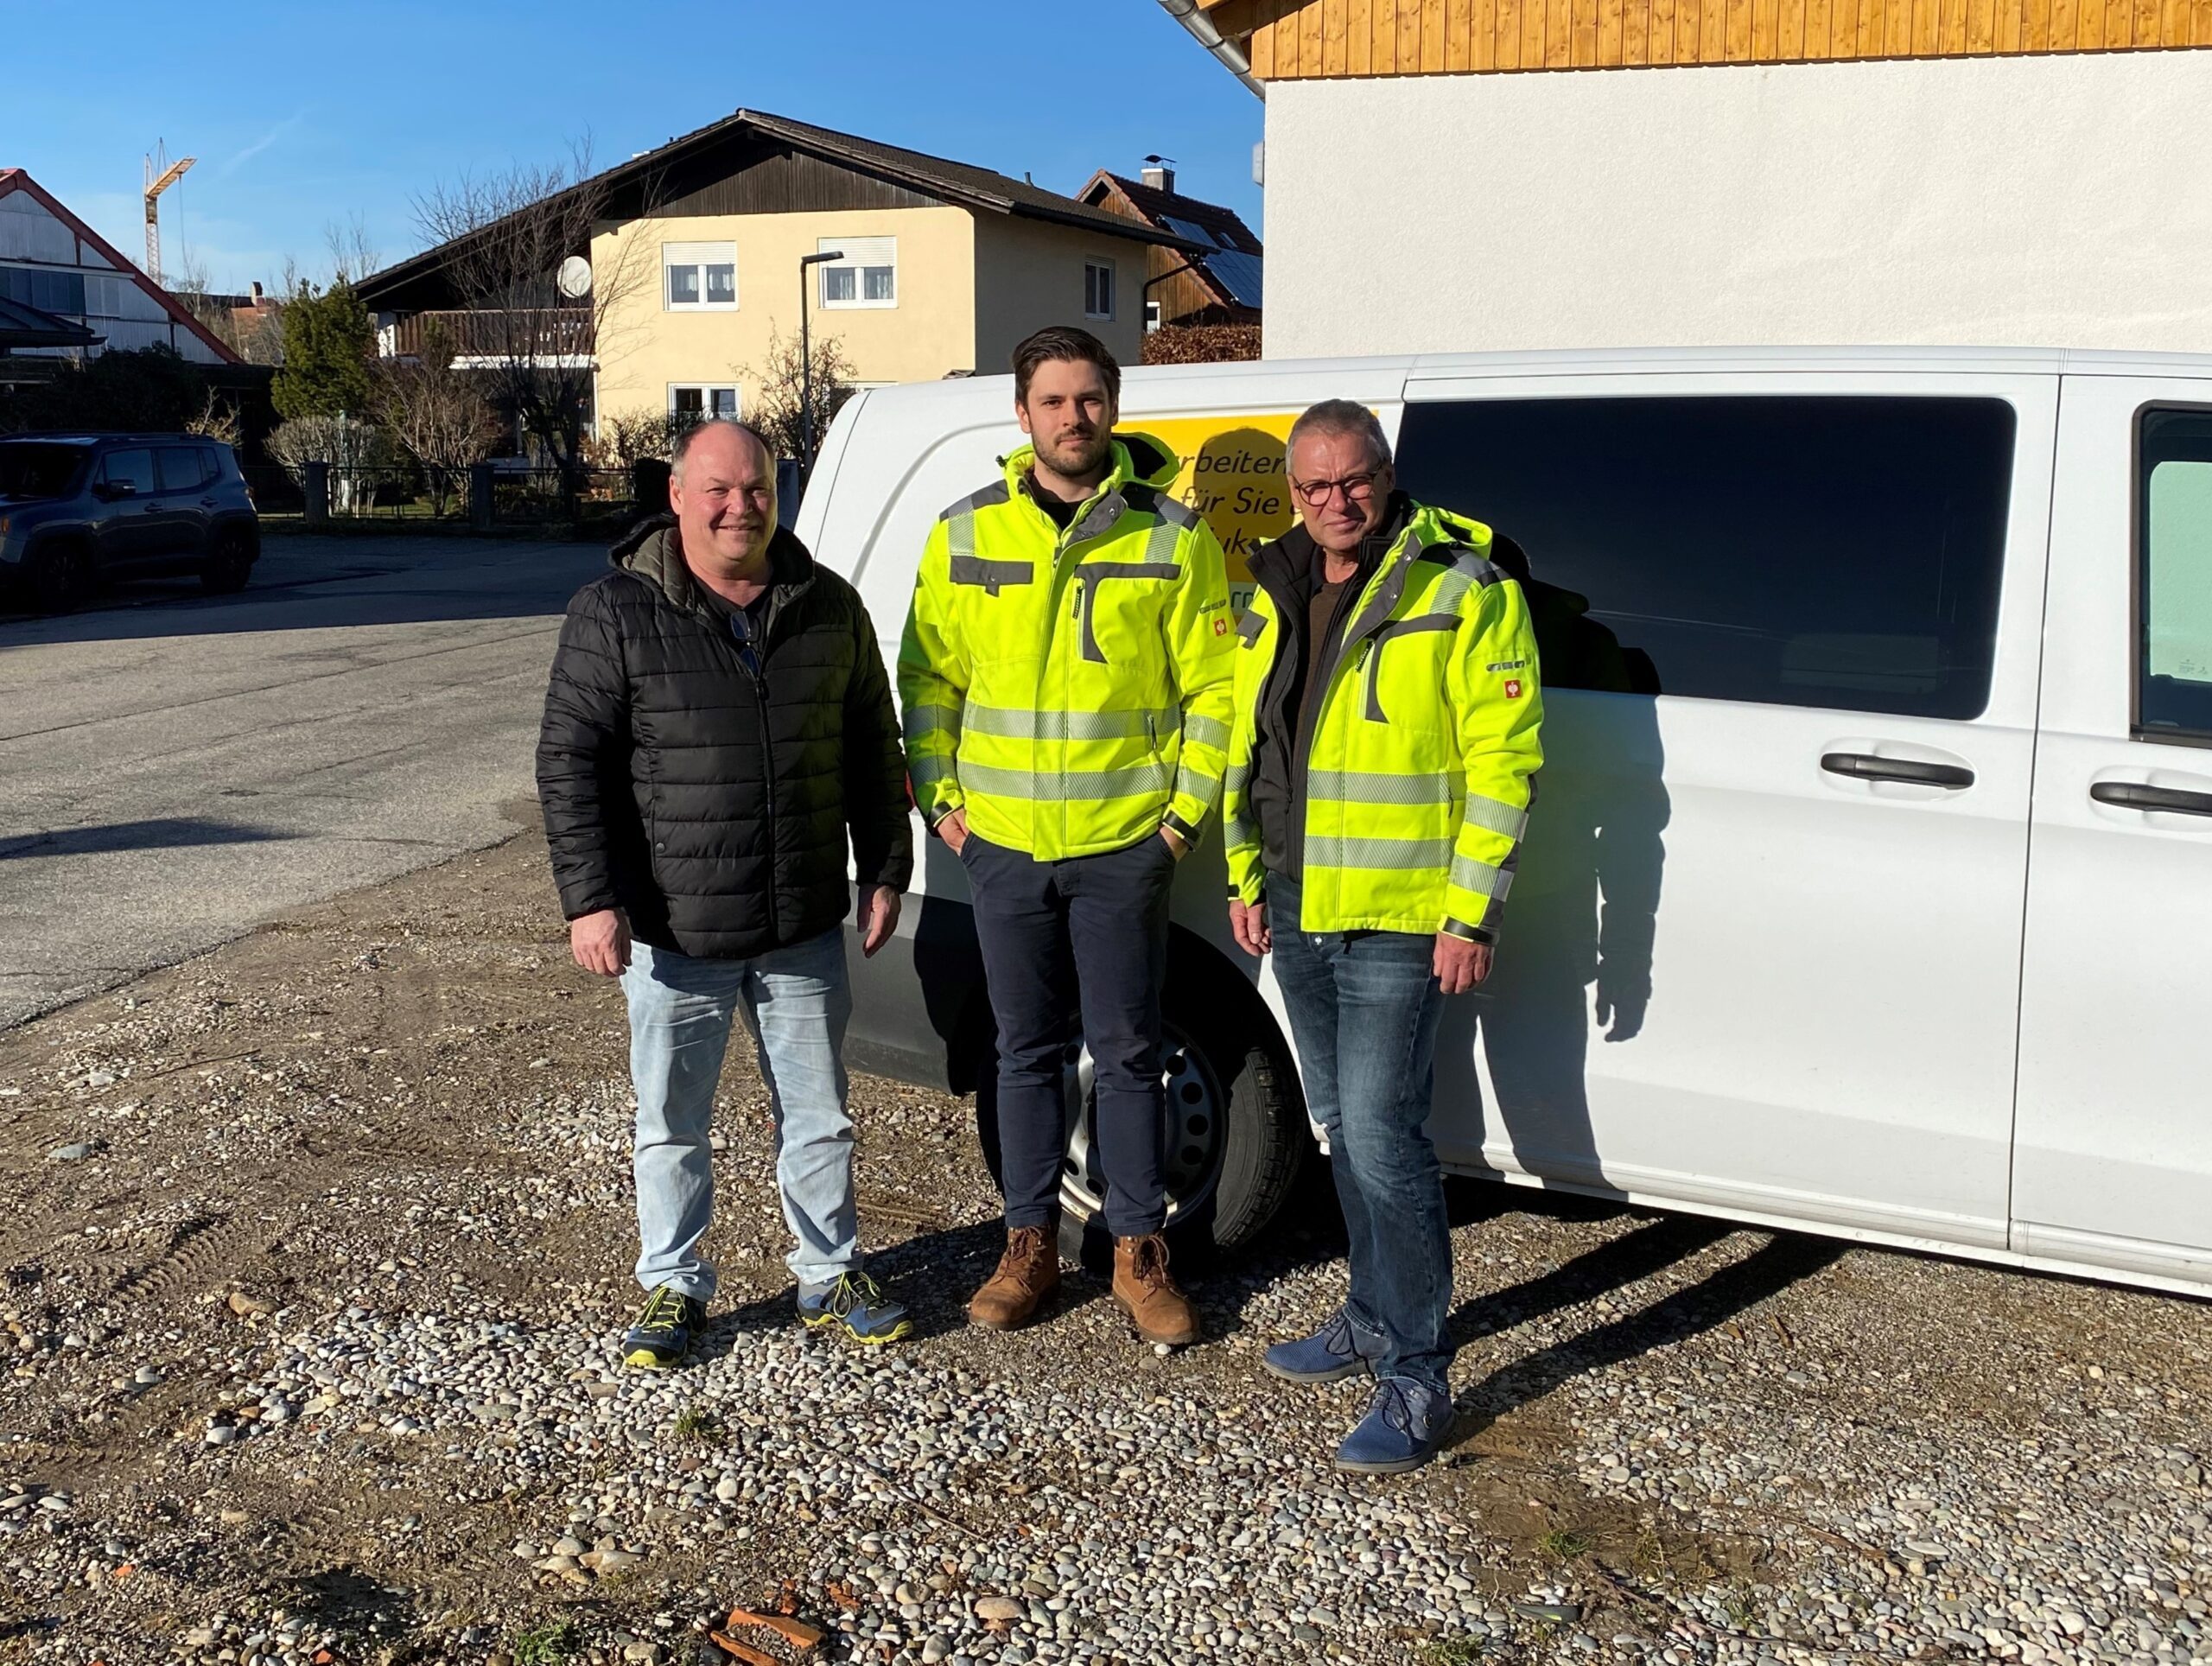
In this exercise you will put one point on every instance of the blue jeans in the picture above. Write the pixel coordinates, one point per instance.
(796, 1003)
(1363, 1008)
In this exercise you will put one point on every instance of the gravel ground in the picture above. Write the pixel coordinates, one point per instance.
(312, 1263)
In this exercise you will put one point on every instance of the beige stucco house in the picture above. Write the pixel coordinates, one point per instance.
(695, 267)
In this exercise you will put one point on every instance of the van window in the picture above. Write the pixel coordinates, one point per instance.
(1841, 552)
(2173, 678)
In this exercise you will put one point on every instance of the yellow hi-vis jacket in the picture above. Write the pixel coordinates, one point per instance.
(1414, 793)
(1071, 690)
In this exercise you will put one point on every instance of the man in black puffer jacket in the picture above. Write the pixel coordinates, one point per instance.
(719, 725)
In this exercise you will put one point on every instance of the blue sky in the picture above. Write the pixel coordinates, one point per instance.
(304, 115)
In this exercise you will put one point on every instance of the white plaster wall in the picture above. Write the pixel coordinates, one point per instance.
(2053, 201)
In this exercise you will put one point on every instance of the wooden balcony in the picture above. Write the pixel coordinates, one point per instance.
(551, 334)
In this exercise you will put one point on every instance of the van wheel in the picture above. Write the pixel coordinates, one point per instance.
(229, 564)
(1234, 1138)
(62, 577)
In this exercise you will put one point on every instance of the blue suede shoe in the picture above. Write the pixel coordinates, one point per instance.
(1406, 1426)
(1336, 1350)
(856, 1306)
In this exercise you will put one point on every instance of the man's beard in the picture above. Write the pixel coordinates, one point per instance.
(1072, 457)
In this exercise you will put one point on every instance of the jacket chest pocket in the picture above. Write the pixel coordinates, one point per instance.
(979, 572)
(1428, 666)
(1122, 598)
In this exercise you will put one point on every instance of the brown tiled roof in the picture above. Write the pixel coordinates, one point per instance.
(950, 181)
(1227, 226)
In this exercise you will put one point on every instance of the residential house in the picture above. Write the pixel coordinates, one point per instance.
(71, 295)
(1717, 172)
(940, 268)
(1220, 285)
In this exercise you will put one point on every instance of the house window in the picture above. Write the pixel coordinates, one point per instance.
(865, 275)
(692, 403)
(699, 277)
(1098, 289)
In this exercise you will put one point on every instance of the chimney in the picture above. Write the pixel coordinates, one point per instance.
(257, 293)
(1160, 173)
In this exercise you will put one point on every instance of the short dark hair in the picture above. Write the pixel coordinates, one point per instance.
(1064, 342)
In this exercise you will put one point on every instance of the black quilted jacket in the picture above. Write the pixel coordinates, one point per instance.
(713, 806)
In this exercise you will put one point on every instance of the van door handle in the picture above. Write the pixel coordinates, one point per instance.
(1865, 766)
(2138, 795)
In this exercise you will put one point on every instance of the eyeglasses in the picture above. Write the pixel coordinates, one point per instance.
(1356, 488)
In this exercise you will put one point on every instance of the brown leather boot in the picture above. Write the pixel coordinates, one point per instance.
(1027, 1273)
(1147, 1293)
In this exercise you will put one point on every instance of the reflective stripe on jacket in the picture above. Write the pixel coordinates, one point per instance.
(1070, 691)
(1412, 797)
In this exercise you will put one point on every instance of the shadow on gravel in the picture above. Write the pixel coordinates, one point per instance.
(1767, 1271)
(933, 1273)
(1635, 1256)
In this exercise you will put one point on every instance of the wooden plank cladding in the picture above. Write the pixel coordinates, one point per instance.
(1311, 39)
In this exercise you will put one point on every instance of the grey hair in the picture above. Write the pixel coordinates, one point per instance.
(681, 445)
(1343, 416)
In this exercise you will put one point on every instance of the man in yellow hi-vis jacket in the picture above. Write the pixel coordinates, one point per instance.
(1381, 768)
(1066, 676)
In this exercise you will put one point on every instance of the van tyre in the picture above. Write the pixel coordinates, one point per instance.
(1239, 1138)
(229, 565)
(62, 576)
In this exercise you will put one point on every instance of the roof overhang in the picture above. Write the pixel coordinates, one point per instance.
(627, 185)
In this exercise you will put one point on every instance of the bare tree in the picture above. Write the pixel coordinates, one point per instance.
(353, 254)
(627, 437)
(437, 413)
(217, 420)
(780, 384)
(507, 237)
(255, 335)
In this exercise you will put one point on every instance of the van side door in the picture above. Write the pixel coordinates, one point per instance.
(2114, 1160)
(1762, 953)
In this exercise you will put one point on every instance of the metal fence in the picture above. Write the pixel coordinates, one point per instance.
(479, 499)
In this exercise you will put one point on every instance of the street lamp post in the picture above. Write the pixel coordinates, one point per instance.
(806, 365)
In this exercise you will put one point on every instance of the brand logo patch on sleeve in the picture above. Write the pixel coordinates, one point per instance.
(1507, 665)
(1512, 688)
(1221, 627)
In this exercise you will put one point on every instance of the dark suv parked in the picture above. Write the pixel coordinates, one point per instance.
(77, 509)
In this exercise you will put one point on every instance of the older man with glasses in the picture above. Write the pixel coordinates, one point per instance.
(1381, 768)
(719, 726)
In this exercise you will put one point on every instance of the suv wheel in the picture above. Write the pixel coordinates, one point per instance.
(62, 575)
(1234, 1136)
(229, 564)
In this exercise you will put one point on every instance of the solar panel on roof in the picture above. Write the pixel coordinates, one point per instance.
(1238, 273)
(1190, 229)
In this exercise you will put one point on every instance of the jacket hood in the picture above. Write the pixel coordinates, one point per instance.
(653, 551)
(1138, 460)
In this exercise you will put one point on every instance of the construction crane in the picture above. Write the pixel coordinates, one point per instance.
(155, 187)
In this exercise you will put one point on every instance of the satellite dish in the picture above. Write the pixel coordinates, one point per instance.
(574, 277)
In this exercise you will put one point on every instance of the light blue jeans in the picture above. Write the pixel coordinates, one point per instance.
(795, 1004)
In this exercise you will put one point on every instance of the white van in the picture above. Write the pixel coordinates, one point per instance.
(1869, 886)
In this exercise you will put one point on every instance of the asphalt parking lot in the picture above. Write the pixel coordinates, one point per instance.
(175, 768)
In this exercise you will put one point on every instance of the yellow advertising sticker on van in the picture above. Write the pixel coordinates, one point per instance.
(1233, 475)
